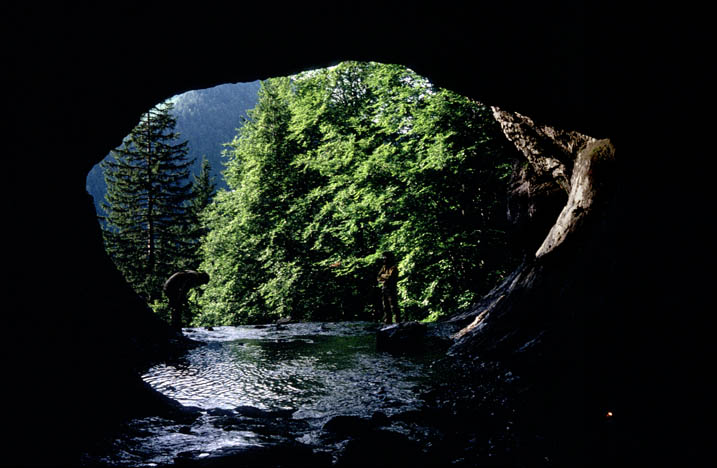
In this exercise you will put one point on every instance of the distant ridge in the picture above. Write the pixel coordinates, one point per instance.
(207, 118)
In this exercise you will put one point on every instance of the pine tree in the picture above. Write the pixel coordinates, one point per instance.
(203, 190)
(203, 187)
(149, 222)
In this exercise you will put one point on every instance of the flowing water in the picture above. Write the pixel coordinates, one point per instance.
(309, 371)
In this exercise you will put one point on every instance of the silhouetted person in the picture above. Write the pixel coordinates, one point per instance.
(388, 278)
(176, 289)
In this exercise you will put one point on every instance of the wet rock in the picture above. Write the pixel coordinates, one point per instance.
(287, 455)
(401, 337)
(230, 423)
(381, 448)
(284, 321)
(379, 419)
(220, 412)
(411, 416)
(276, 425)
(409, 337)
(182, 414)
(347, 426)
(252, 412)
(439, 335)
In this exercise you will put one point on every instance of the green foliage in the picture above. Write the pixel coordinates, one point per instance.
(203, 190)
(150, 228)
(334, 167)
(189, 315)
(161, 308)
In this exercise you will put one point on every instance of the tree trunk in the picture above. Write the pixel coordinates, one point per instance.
(545, 323)
(581, 166)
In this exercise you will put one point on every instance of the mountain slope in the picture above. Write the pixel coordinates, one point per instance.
(207, 118)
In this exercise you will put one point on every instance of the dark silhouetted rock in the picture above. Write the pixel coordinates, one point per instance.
(408, 416)
(379, 419)
(401, 337)
(347, 426)
(539, 61)
(381, 448)
(286, 455)
(221, 412)
(252, 412)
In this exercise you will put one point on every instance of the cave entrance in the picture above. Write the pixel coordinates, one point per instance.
(307, 181)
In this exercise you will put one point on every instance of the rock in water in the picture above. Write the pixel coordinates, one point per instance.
(284, 455)
(252, 412)
(401, 337)
(381, 448)
(347, 425)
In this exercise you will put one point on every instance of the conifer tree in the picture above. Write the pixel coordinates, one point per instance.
(203, 187)
(203, 190)
(149, 223)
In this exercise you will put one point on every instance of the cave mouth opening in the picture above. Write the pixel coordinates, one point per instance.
(308, 180)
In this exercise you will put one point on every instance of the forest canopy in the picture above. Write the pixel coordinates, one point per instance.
(333, 168)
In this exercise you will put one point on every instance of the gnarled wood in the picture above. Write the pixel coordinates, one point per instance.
(513, 313)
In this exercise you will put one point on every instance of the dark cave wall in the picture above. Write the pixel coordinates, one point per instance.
(79, 83)
(85, 82)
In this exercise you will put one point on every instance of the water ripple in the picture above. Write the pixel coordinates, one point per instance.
(314, 368)
(318, 370)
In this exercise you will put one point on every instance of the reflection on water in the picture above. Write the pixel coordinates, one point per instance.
(316, 370)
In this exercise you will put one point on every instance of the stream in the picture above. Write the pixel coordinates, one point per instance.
(264, 386)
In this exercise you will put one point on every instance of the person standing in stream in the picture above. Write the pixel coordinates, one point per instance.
(388, 279)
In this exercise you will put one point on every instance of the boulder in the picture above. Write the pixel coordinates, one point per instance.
(401, 337)
(253, 412)
(381, 448)
(379, 419)
(289, 454)
(347, 426)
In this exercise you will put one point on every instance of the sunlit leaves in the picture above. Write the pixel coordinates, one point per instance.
(338, 165)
